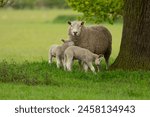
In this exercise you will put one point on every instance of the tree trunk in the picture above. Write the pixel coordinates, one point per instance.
(135, 45)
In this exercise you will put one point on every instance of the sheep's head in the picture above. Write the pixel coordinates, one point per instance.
(75, 27)
(98, 59)
(68, 42)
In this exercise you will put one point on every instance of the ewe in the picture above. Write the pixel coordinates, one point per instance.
(97, 39)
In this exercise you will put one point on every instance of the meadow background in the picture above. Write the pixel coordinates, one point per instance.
(25, 38)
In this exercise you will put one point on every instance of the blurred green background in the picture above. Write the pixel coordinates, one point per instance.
(38, 4)
(29, 27)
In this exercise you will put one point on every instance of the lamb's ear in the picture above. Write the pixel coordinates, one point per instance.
(69, 22)
(82, 23)
(100, 55)
(63, 40)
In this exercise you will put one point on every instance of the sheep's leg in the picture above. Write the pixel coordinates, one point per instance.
(80, 63)
(85, 66)
(61, 62)
(106, 56)
(69, 64)
(91, 67)
(65, 62)
(50, 58)
(99, 66)
(107, 63)
(58, 62)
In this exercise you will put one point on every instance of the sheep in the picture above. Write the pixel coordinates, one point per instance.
(58, 52)
(97, 39)
(82, 54)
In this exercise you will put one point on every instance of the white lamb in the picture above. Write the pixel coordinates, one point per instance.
(83, 55)
(58, 52)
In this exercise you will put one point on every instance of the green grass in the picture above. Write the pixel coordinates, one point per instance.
(27, 35)
(39, 80)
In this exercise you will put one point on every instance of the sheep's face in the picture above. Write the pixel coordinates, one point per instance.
(98, 60)
(75, 27)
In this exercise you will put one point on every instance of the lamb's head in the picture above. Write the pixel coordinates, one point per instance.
(75, 28)
(98, 59)
(68, 42)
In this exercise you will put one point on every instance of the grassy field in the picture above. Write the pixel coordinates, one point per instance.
(25, 37)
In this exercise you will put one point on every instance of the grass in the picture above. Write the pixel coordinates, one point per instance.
(25, 37)
(39, 80)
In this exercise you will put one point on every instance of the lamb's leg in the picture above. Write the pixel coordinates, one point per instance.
(91, 67)
(61, 62)
(80, 63)
(65, 62)
(50, 58)
(58, 62)
(85, 66)
(69, 64)
(99, 66)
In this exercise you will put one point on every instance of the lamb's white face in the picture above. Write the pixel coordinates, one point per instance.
(98, 60)
(75, 27)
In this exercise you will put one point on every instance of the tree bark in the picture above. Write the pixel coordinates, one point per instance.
(135, 45)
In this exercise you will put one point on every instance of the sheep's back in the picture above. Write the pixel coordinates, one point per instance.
(53, 49)
(79, 53)
(98, 39)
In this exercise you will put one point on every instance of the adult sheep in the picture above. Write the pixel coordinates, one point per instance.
(97, 39)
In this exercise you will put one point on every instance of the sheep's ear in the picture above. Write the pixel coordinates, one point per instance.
(63, 40)
(69, 22)
(100, 55)
(82, 23)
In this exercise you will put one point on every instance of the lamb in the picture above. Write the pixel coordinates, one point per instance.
(58, 52)
(83, 55)
(97, 39)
